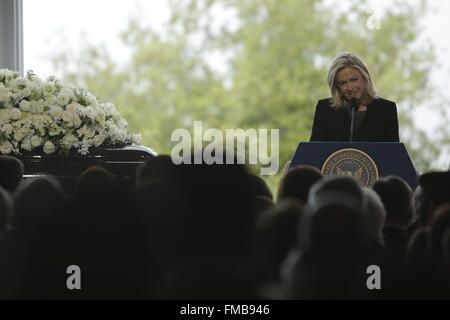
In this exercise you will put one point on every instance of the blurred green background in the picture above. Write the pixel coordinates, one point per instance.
(275, 57)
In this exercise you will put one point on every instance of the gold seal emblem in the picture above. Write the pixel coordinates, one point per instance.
(351, 162)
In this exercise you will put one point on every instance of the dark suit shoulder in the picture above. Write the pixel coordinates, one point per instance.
(378, 101)
(324, 102)
(324, 105)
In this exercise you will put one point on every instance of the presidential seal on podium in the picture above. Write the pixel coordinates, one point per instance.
(351, 162)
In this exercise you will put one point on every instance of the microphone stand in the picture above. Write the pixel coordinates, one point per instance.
(354, 105)
(352, 124)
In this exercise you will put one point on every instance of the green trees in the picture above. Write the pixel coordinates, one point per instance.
(259, 64)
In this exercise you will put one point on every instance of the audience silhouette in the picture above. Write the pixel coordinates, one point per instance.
(397, 199)
(296, 183)
(11, 172)
(214, 232)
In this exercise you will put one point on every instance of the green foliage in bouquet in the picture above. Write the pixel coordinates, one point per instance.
(53, 117)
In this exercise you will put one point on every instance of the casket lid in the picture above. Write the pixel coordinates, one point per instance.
(121, 153)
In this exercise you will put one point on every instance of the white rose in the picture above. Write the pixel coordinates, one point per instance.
(120, 135)
(56, 112)
(82, 131)
(41, 129)
(136, 139)
(76, 121)
(5, 95)
(47, 120)
(7, 129)
(13, 85)
(8, 105)
(8, 74)
(62, 100)
(48, 88)
(90, 113)
(50, 100)
(108, 108)
(25, 92)
(15, 114)
(92, 99)
(68, 92)
(123, 122)
(54, 130)
(89, 132)
(98, 140)
(110, 125)
(4, 115)
(79, 132)
(19, 133)
(115, 115)
(37, 106)
(49, 147)
(36, 141)
(67, 116)
(21, 82)
(69, 140)
(6, 147)
(35, 85)
(17, 96)
(26, 144)
(36, 120)
(25, 105)
(40, 106)
(73, 107)
(26, 118)
(100, 116)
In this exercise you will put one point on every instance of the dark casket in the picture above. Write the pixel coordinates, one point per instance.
(122, 162)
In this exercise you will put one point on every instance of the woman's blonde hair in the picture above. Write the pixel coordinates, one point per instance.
(348, 60)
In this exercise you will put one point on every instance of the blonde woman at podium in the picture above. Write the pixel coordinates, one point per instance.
(373, 119)
(353, 112)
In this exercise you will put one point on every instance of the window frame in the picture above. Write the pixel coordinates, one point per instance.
(11, 35)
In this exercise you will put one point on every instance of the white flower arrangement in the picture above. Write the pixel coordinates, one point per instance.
(50, 116)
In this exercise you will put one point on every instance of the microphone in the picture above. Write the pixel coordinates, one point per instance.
(354, 105)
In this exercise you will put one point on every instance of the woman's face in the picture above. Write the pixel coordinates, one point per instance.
(351, 83)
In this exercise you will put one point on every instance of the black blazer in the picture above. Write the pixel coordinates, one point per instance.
(379, 125)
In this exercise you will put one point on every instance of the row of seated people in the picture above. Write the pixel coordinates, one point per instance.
(217, 232)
